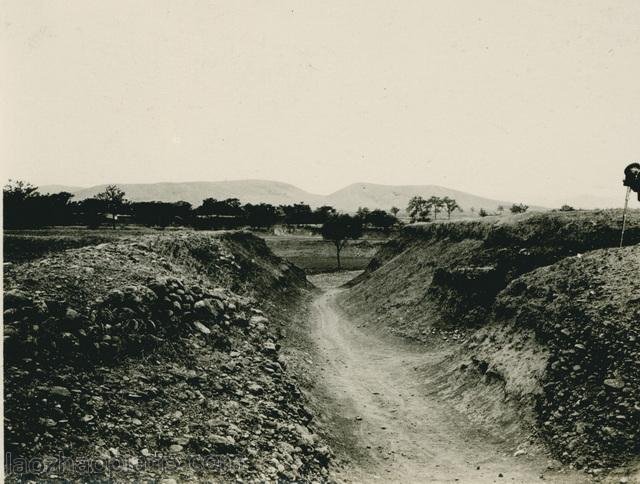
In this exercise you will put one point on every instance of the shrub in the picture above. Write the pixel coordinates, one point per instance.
(519, 208)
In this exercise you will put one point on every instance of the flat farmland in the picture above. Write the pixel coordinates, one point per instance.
(315, 255)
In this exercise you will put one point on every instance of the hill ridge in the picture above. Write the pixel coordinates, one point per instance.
(348, 198)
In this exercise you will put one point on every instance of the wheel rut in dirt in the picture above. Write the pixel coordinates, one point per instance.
(402, 431)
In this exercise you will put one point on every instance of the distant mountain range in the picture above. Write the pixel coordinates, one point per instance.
(248, 191)
(347, 199)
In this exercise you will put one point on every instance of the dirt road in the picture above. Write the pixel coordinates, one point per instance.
(402, 434)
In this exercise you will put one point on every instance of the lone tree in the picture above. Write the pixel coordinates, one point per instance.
(450, 205)
(114, 201)
(394, 211)
(339, 229)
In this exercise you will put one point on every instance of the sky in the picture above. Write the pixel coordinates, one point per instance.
(527, 100)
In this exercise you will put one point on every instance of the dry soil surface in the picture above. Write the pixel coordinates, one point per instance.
(403, 434)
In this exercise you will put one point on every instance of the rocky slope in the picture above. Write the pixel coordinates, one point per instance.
(586, 311)
(156, 359)
(541, 323)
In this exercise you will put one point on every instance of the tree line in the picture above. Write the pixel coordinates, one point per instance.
(26, 207)
(420, 209)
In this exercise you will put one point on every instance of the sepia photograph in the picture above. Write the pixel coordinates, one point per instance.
(257, 241)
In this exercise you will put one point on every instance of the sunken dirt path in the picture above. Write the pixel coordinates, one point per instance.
(401, 434)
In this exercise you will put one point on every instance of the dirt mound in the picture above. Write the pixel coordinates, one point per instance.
(542, 337)
(586, 311)
(155, 359)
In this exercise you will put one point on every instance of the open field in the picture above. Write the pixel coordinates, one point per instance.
(315, 255)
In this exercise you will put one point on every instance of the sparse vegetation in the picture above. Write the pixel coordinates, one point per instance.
(419, 209)
(519, 208)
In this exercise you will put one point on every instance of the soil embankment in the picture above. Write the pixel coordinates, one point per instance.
(397, 428)
(155, 359)
(538, 320)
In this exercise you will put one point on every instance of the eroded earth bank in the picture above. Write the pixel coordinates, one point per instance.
(466, 352)
(477, 352)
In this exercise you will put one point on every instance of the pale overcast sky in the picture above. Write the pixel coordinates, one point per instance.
(515, 100)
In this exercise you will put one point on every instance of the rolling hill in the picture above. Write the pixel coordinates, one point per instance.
(248, 191)
(387, 196)
(347, 199)
(59, 188)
